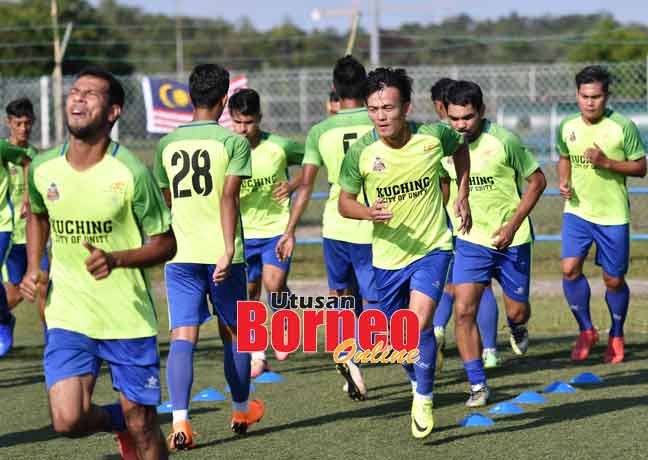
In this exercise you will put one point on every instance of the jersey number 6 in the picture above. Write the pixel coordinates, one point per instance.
(198, 172)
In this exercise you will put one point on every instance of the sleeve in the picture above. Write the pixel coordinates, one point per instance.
(240, 160)
(36, 201)
(312, 155)
(32, 152)
(450, 139)
(152, 214)
(12, 153)
(350, 177)
(520, 157)
(563, 151)
(294, 152)
(158, 168)
(633, 145)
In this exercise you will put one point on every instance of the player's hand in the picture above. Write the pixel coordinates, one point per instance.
(99, 263)
(281, 192)
(565, 190)
(596, 156)
(379, 212)
(24, 209)
(29, 286)
(503, 237)
(222, 270)
(285, 246)
(462, 211)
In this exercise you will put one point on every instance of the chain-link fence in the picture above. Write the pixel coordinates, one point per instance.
(529, 99)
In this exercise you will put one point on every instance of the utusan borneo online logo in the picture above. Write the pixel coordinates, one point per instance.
(297, 321)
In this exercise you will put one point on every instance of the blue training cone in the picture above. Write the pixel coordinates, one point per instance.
(269, 377)
(530, 397)
(476, 420)
(559, 387)
(506, 408)
(165, 408)
(209, 394)
(228, 390)
(586, 378)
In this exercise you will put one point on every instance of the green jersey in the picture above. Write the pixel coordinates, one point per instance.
(192, 163)
(326, 145)
(263, 216)
(599, 195)
(407, 179)
(9, 153)
(498, 164)
(16, 193)
(112, 205)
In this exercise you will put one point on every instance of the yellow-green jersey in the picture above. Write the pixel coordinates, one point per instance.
(407, 179)
(16, 193)
(599, 195)
(113, 205)
(499, 163)
(263, 216)
(9, 153)
(192, 163)
(326, 145)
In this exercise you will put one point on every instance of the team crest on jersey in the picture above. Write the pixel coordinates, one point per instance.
(118, 187)
(378, 165)
(572, 137)
(53, 192)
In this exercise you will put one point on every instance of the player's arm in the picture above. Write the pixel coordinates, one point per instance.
(37, 231)
(564, 176)
(444, 183)
(294, 157)
(24, 207)
(160, 174)
(525, 165)
(312, 161)
(461, 159)
(229, 210)
(634, 168)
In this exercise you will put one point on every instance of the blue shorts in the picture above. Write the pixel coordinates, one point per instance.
(474, 263)
(134, 363)
(344, 261)
(612, 243)
(17, 263)
(260, 252)
(188, 286)
(426, 275)
(5, 246)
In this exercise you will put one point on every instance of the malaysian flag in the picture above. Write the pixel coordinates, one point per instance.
(168, 104)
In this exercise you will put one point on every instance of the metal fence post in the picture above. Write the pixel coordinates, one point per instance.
(45, 111)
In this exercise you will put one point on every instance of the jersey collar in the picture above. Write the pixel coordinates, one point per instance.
(113, 148)
(193, 124)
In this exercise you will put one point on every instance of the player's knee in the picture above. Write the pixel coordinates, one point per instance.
(142, 429)
(67, 423)
(465, 312)
(570, 270)
(613, 283)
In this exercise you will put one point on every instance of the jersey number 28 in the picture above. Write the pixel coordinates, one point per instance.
(192, 162)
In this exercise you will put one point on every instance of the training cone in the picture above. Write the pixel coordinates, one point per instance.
(269, 377)
(209, 394)
(506, 408)
(530, 397)
(228, 390)
(559, 387)
(476, 420)
(165, 408)
(586, 378)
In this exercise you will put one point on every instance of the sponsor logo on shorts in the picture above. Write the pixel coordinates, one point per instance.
(152, 383)
(53, 192)
(519, 290)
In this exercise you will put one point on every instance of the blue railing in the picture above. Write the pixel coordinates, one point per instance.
(547, 192)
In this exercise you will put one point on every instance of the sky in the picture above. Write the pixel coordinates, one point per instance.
(266, 14)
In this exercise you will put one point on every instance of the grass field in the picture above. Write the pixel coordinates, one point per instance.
(309, 416)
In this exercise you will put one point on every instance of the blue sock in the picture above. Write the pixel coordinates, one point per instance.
(5, 316)
(117, 421)
(475, 372)
(443, 311)
(425, 367)
(409, 370)
(577, 293)
(487, 319)
(237, 372)
(618, 305)
(180, 373)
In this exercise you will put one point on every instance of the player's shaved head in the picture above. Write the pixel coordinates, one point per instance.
(246, 102)
(464, 93)
(208, 85)
(350, 79)
(384, 77)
